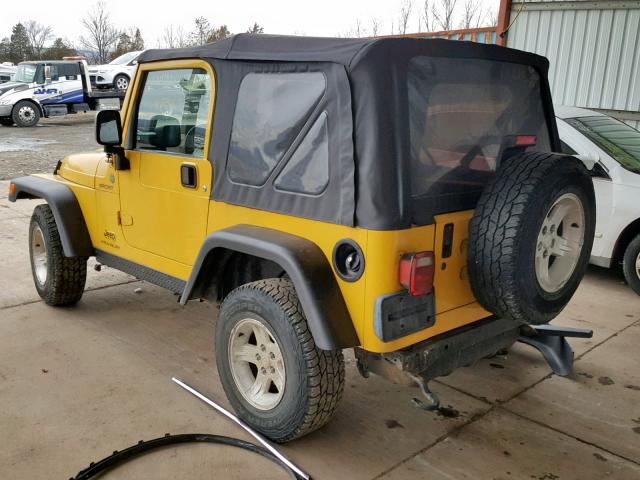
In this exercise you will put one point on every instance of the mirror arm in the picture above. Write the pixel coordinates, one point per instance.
(117, 156)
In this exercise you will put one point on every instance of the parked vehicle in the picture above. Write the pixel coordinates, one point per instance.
(115, 74)
(615, 146)
(49, 89)
(7, 71)
(397, 196)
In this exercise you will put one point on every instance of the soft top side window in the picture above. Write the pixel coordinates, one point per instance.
(271, 110)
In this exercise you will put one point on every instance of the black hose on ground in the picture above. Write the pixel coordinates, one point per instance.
(142, 447)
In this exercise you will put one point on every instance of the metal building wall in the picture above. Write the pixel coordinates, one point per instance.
(593, 48)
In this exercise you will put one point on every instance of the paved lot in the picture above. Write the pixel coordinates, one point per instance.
(38, 149)
(78, 383)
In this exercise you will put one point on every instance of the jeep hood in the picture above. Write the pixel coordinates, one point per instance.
(81, 168)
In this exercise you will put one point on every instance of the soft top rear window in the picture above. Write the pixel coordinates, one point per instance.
(460, 111)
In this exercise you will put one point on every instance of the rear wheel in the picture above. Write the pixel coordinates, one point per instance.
(631, 264)
(531, 236)
(121, 82)
(25, 114)
(274, 376)
(59, 280)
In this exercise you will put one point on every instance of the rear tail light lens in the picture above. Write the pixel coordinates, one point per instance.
(416, 272)
(525, 140)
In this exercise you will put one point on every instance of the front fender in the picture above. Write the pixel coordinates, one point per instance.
(72, 228)
(305, 263)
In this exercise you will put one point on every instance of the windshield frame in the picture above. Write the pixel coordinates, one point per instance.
(602, 142)
(125, 58)
(21, 68)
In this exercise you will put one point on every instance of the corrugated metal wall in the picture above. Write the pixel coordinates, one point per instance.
(593, 48)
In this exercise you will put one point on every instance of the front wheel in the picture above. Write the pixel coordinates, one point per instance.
(631, 264)
(25, 114)
(274, 376)
(59, 280)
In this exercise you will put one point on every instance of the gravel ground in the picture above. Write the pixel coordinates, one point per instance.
(35, 150)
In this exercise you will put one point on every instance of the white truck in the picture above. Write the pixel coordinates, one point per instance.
(7, 71)
(50, 88)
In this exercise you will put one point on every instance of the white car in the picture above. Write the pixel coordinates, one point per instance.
(615, 146)
(115, 74)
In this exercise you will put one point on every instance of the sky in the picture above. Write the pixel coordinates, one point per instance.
(320, 18)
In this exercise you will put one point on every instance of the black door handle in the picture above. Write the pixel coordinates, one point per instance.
(188, 175)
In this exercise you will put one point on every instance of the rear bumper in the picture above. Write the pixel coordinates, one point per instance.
(443, 354)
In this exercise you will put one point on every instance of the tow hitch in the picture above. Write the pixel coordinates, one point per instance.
(441, 355)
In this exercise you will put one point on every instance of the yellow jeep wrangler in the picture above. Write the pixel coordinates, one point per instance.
(397, 196)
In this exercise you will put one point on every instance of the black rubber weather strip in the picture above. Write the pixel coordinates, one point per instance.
(142, 447)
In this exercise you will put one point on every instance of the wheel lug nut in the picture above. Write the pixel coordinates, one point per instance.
(272, 370)
(272, 355)
(263, 348)
(257, 356)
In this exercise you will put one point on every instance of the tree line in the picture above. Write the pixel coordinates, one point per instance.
(28, 41)
(427, 16)
(101, 40)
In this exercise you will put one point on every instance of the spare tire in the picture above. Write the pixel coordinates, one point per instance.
(531, 236)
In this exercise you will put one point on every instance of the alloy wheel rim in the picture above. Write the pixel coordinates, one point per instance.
(638, 265)
(122, 83)
(257, 364)
(559, 243)
(39, 255)
(26, 113)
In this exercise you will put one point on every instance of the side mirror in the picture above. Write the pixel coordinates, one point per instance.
(108, 128)
(47, 74)
(109, 134)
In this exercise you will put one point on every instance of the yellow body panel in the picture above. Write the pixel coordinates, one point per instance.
(382, 251)
(147, 216)
(163, 222)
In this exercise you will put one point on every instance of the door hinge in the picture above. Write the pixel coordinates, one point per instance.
(124, 219)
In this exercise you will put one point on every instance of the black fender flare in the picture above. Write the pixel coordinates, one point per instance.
(74, 235)
(305, 263)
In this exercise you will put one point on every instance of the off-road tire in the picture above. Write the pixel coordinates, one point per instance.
(65, 276)
(629, 265)
(503, 235)
(6, 122)
(19, 120)
(314, 377)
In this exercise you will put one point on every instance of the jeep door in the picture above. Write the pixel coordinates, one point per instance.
(164, 196)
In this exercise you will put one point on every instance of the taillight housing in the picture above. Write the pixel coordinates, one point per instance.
(416, 272)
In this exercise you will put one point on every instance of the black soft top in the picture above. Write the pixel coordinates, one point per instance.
(345, 51)
(368, 117)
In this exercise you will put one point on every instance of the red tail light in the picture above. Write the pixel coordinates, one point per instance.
(416, 272)
(525, 140)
